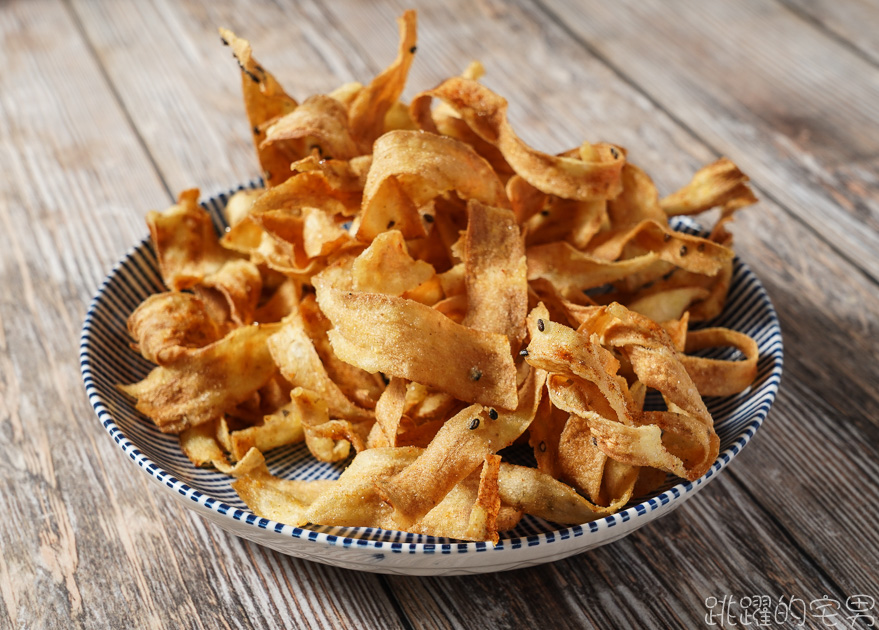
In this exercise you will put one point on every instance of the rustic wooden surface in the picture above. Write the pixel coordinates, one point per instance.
(107, 109)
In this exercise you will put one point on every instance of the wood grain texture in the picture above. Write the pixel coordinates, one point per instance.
(107, 109)
(852, 23)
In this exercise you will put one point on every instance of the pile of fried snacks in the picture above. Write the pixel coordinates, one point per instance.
(417, 289)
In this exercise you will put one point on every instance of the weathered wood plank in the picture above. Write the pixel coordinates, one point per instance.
(853, 22)
(86, 540)
(795, 148)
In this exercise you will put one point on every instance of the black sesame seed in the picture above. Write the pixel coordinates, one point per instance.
(540, 325)
(544, 213)
(594, 442)
(285, 412)
(666, 237)
(256, 131)
(492, 413)
(683, 250)
(428, 218)
(413, 49)
(542, 447)
(523, 353)
(391, 223)
(475, 374)
(474, 423)
(614, 152)
(225, 43)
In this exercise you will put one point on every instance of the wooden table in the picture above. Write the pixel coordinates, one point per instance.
(108, 109)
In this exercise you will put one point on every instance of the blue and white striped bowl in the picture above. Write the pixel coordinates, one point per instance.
(106, 359)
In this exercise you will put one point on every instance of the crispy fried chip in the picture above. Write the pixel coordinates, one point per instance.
(239, 204)
(719, 183)
(571, 271)
(202, 384)
(200, 445)
(322, 121)
(458, 448)
(399, 337)
(239, 282)
(386, 267)
(714, 377)
(282, 500)
(277, 429)
(264, 100)
(186, 242)
(591, 172)
(411, 168)
(389, 409)
(293, 351)
(495, 273)
(367, 111)
(166, 324)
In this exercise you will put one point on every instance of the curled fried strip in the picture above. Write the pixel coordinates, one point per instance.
(366, 114)
(594, 172)
(495, 273)
(264, 101)
(719, 183)
(714, 377)
(424, 166)
(221, 374)
(571, 271)
(323, 121)
(186, 242)
(165, 324)
(458, 448)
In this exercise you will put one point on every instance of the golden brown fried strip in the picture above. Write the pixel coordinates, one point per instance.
(165, 324)
(202, 384)
(239, 282)
(571, 271)
(423, 166)
(366, 113)
(495, 273)
(264, 100)
(322, 122)
(399, 337)
(186, 242)
(458, 448)
(293, 351)
(386, 267)
(593, 172)
(717, 184)
(714, 377)
(389, 409)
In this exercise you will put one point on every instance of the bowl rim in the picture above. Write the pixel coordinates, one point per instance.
(596, 529)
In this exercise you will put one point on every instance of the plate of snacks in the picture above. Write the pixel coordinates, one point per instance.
(420, 346)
